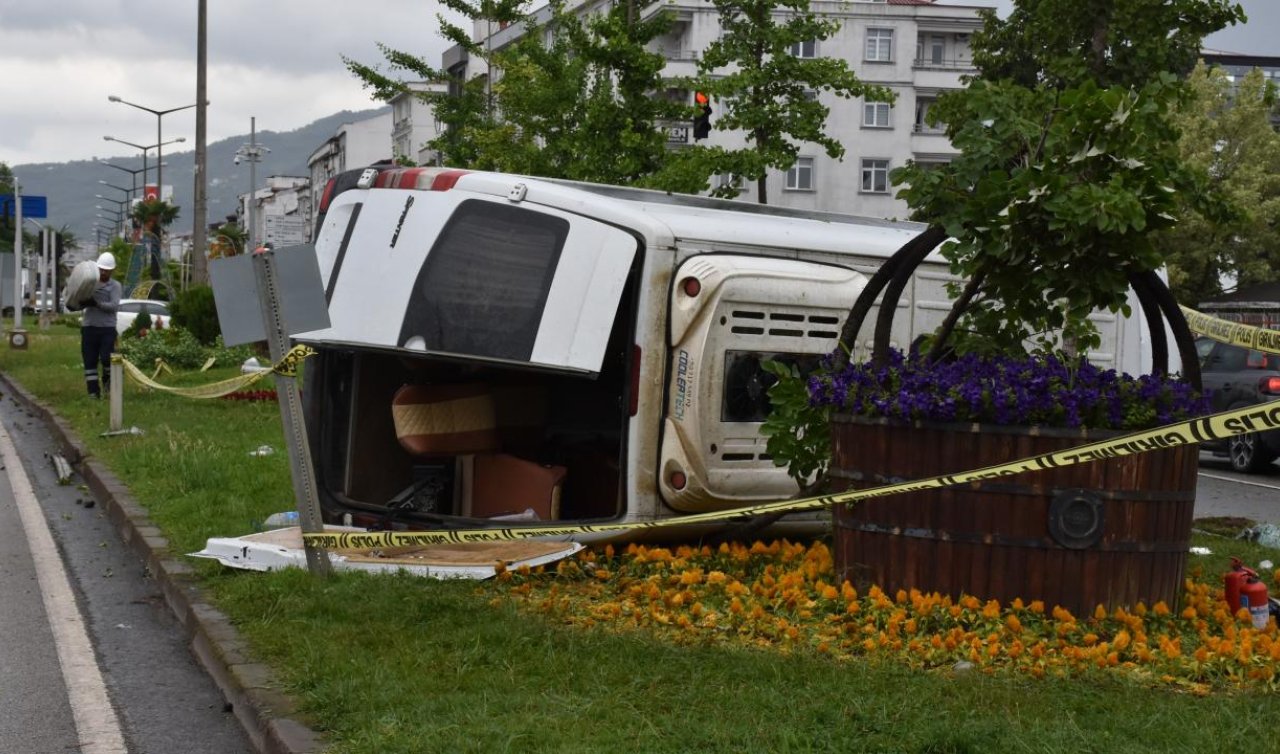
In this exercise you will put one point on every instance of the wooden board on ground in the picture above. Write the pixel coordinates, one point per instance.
(280, 548)
(464, 553)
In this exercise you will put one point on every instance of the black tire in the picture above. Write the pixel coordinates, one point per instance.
(1247, 453)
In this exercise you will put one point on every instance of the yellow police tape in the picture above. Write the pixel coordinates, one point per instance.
(1233, 333)
(1214, 427)
(287, 366)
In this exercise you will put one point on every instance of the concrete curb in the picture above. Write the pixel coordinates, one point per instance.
(248, 686)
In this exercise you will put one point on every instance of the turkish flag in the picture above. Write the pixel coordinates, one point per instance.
(150, 192)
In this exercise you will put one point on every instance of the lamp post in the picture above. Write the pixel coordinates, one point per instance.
(145, 149)
(133, 174)
(159, 139)
(128, 192)
(116, 217)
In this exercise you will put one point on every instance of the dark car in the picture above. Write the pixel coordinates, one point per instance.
(1236, 377)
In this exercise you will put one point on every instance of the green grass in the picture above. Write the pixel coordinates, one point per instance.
(391, 664)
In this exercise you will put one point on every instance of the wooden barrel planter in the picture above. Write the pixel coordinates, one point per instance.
(1113, 532)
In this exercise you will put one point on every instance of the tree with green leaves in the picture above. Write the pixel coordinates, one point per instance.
(767, 93)
(1068, 162)
(154, 216)
(569, 97)
(1227, 135)
(227, 241)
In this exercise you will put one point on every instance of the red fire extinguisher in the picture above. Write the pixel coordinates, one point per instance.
(1231, 583)
(1253, 596)
(1243, 589)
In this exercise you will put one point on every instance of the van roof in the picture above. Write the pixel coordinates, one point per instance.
(699, 220)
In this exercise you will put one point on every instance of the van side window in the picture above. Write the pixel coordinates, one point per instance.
(483, 286)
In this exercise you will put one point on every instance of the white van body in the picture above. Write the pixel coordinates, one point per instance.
(639, 317)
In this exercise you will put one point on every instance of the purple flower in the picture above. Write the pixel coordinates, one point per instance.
(1007, 390)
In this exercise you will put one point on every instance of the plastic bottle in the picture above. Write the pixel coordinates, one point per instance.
(281, 519)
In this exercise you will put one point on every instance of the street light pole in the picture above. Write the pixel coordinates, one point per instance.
(199, 264)
(128, 192)
(145, 149)
(159, 139)
(133, 174)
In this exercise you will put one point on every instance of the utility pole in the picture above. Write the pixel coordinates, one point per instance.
(200, 230)
(253, 152)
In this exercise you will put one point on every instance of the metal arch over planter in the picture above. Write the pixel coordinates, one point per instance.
(1111, 532)
(1157, 302)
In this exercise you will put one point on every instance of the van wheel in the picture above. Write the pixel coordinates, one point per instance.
(1247, 454)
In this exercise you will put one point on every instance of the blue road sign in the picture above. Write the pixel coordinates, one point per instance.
(32, 206)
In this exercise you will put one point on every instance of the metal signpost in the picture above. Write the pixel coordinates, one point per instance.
(290, 298)
(17, 205)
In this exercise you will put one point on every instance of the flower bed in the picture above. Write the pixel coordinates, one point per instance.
(251, 395)
(785, 596)
(1039, 390)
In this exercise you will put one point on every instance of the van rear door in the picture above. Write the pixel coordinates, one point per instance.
(452, 274)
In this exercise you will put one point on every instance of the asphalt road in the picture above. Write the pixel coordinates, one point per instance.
(161, 700)
(1223, 492)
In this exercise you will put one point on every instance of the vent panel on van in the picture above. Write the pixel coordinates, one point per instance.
(751, 310)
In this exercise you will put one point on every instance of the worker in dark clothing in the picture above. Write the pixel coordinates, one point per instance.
(98, 331)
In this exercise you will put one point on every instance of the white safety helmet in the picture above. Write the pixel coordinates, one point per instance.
(107, 261)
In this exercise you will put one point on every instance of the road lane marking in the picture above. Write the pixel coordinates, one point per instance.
(96, 724)
(1239, 481)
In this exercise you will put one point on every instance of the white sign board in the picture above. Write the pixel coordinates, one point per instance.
(283, 230)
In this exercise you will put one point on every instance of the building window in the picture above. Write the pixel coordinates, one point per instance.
(875, 176)
(800, 176)
(937, 45)
(923, 106)
(876, 115)
(880, 45)
(805, 49)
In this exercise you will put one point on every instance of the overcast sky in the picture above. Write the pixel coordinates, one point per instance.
(279, 60)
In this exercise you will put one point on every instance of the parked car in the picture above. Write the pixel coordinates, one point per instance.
(130, 308)
(1236, 377)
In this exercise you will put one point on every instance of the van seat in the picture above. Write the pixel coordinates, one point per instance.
(437, 420)
(465, 421)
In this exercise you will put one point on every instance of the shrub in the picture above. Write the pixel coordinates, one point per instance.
(194, 310)
(177, 346)
(140, 324)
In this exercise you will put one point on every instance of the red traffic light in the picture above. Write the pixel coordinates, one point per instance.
(700, 98)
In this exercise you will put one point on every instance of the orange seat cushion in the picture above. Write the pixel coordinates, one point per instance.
(503, 485)
(445, 419)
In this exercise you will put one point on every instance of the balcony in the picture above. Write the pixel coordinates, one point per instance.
(959, 65)
(677, 53)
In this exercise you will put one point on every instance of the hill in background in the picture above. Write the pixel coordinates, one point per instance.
(71, 186)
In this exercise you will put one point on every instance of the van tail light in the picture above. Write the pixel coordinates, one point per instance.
(677, 480)
(327, 196)
(691, 287)
(1269, 385)
(446, 179)
(633, 400)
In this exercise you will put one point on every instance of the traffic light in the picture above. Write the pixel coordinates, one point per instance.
(702, 121)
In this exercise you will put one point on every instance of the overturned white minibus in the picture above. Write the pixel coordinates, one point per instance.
(507, 349)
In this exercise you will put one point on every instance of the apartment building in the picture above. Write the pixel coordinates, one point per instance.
(413, 124)
(916, 48)
(354, 144)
